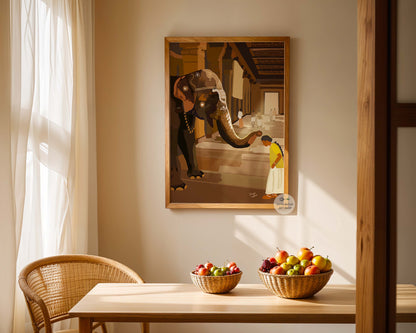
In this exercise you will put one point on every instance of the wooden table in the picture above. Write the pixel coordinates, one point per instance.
(247, 303)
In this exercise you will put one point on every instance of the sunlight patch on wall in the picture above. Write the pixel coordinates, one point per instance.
(321, 222)
(266, 232)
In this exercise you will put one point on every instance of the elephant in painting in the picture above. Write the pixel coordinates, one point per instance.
(198, 95)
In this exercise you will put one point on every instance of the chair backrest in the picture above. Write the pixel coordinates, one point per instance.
(53, 285)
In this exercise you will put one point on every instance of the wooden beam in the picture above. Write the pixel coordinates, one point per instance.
(375, 294)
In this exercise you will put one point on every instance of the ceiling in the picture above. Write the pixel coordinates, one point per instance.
(265, 60)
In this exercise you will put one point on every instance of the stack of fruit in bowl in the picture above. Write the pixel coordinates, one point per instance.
(291, 276)
(209, 269)
(216, 280)
(305, 263)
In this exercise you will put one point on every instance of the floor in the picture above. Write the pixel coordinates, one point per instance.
(232, 175)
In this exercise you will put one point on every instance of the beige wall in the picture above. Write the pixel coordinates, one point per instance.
(406, 51)
(406, 212)
(406, 152)
(406, 208)
(6, 231)
(164, 245)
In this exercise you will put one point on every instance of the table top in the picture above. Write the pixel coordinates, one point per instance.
(254, 303)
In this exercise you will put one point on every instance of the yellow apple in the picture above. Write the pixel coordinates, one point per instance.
(292, 260)
(319, 261)
(328, 265)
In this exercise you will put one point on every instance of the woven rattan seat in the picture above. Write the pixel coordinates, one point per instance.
(53, 285)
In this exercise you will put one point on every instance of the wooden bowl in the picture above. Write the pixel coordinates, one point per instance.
(295, 286)
(216, 284)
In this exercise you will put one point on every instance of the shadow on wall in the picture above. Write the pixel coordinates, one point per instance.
(323, 129)
(264, 234)
(120, 223)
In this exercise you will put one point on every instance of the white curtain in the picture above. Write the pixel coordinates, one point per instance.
(52, 96)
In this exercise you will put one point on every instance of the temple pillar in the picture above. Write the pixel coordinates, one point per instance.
(193, 56)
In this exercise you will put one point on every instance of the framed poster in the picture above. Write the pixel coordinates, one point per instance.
(227, 121)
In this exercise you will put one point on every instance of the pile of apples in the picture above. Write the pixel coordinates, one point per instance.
(305, 263)
(209, 269)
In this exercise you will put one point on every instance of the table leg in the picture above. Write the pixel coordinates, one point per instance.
(85, 325)
(145, 327)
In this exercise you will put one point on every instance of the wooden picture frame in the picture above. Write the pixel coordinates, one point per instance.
(227, 121)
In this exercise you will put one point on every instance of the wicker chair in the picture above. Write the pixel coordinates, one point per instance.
(53, 285)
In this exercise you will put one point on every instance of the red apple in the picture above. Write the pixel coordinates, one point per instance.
(208, 265)
(234, 270)
(312, 270)
(203, 271)
(199, 266)
(231, 263)
(305, 254)
(273, 261)
(277, 270)
(281, 256)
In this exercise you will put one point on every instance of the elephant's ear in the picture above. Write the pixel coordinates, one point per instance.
(184, 92)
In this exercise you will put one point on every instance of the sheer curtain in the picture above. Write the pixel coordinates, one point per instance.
(52, 96)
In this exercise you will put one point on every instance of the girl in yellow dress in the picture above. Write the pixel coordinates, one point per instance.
(275, 179)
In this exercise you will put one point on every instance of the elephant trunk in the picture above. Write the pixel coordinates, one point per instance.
(207, 79)
(227, 132)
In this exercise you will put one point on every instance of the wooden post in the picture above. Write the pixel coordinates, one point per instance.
(193, 55)
(376, 295)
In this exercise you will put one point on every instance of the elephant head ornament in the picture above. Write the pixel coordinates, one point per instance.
(198, 95)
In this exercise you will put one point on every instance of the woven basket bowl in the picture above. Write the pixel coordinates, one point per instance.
(295, 286)
(216, 284)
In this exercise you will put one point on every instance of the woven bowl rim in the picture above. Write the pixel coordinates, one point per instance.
(295, 286)
(280, 276)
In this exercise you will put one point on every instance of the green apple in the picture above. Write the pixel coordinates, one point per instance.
(286, 266)
(305, 263)
(299, 268)
(292, 272)
(328, 265)
(224, 269)
(213, 269)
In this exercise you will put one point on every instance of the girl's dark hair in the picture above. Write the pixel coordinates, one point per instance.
(280, 149)
(266, 138)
